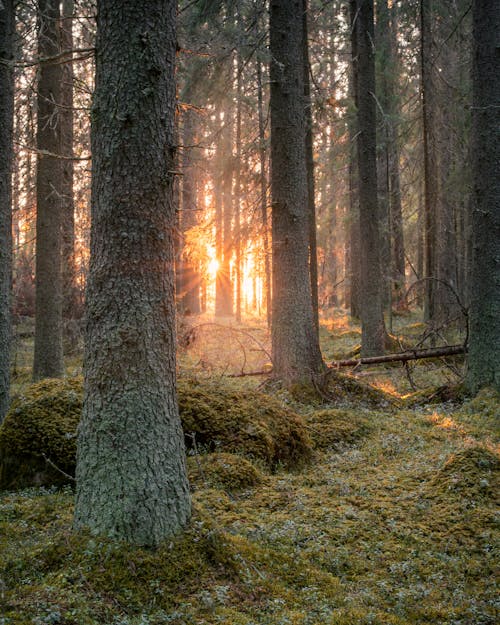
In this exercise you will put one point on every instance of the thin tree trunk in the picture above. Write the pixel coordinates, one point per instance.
(48, 357)
(237, 188)
(131, 473)
(189, 281)
(263, 195)
(354, 233)
(7, 29)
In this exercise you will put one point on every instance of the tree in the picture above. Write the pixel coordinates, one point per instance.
(48, 358)
(67, 166)
(6, 131)
(483, 361)
(295, 346)
(372, 321)
(131, 474)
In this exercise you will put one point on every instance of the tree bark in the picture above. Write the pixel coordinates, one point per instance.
(7, 30)
(373, 332)
(484, 340)
(70, 304)
(48, 356)
(430, 168)
(295, 347)
(189, 288)
(354, 233)
(131, 474)
(263, 196)
(311, 202)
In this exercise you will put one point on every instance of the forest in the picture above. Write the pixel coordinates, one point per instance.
(249, 312)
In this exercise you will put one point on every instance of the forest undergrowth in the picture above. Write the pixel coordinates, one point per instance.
(393, 521)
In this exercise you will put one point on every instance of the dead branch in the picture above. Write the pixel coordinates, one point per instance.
(411, 354)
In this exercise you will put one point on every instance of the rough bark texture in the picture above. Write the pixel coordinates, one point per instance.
(295, 347)
(354, 235)
(131, 475)
(311, 203)
(6, 152)
(484, 342)
(263, 195)
(430, 165)
(372, 322)
(48, 357)
(68, 205)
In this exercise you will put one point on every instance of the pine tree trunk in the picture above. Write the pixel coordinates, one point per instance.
(430, 167)
(189, 279)
(48, 357)
(311, 203)
(484, 341)
(131, 474)
(68, 205)
(295, 347)
(373, 332)
(263, 196)
(354, 233)
(6, 150)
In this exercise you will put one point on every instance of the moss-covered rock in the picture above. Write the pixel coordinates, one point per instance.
(245, 422)
(334, 428)
(224, 471)
(38, 435)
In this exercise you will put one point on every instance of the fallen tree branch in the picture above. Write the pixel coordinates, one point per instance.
(411, 354)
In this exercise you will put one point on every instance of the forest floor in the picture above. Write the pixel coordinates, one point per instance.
(397, 525)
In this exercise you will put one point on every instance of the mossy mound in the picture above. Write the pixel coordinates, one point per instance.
(473, 473)
(332, 429)
(224, 471)
(344, 389)
(454, 393)
(39, 434)
(245, 422)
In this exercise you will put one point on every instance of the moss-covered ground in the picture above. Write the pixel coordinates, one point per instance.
(394, 521)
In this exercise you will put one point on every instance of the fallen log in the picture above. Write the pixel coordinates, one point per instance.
(410, 354)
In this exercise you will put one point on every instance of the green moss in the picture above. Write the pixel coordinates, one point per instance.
(221, 470)
(39, 432)
(245, 422)
(335, 428)
(472, 473)
(436, 395)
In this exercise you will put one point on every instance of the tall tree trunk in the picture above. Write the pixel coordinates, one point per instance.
(263, 196)
(68, 205)
(131, 474)
(295, 347)
(189, 279)
(430, 171)
(483, 361)
(7, 29)
(224, 290)
(48, 357)
(373, 332)
(311, 202)
(354, 233)
(237, 188)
